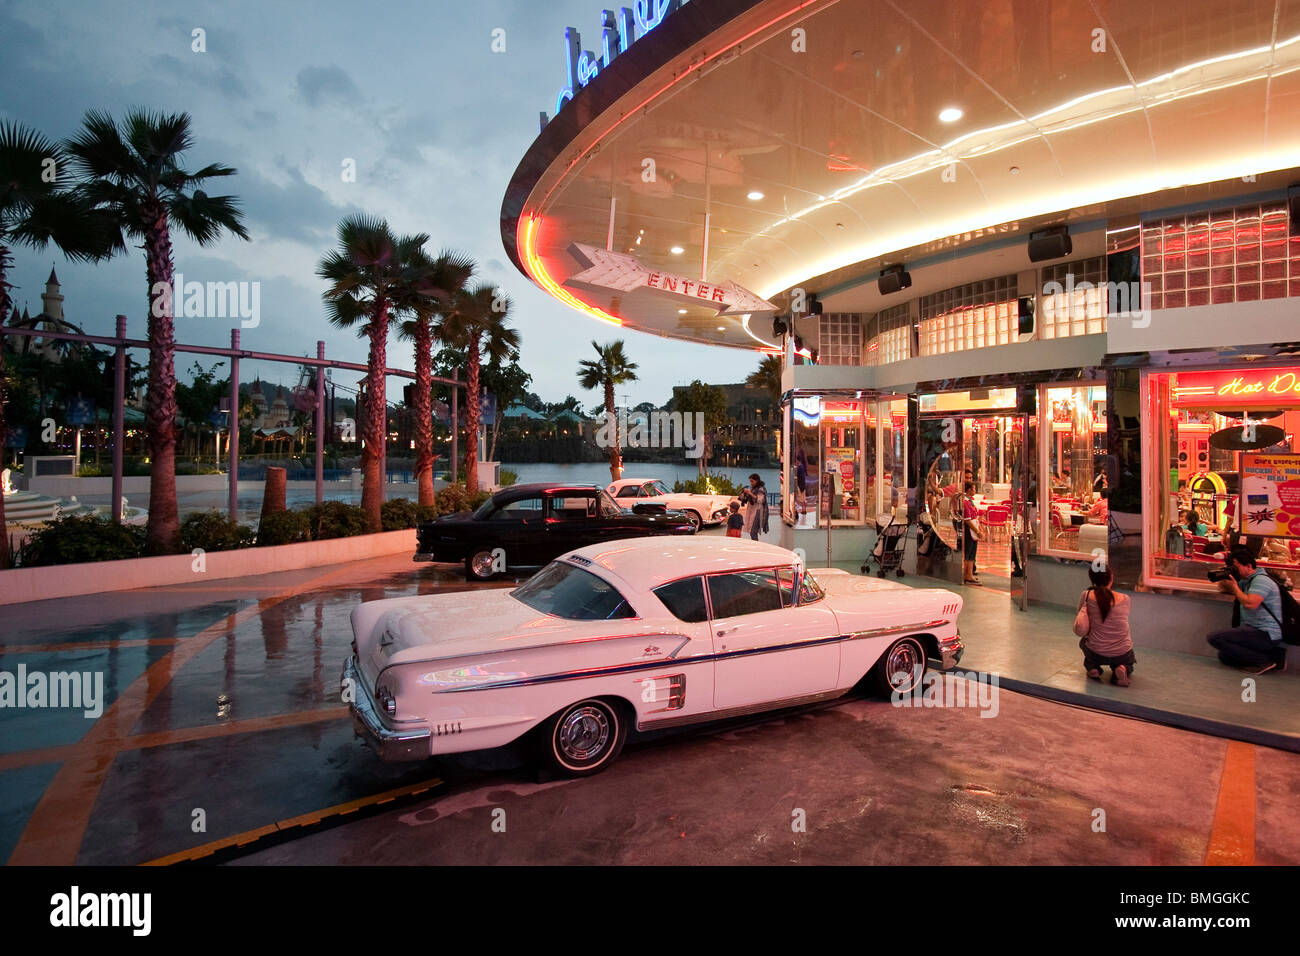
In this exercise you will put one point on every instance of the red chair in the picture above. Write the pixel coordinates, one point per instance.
(998, 520)
(1060, 531)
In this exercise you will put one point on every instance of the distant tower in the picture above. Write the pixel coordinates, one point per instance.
(52, 298)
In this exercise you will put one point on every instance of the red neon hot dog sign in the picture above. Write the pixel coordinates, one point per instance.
(1233, 389)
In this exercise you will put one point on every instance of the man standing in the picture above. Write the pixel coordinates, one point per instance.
(756, 509)
(1257, 642)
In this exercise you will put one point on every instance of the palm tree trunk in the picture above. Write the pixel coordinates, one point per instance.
(472, 419)
(372, 487)
(424, 412)
(611, 424)
(162, 534)
(4, 430)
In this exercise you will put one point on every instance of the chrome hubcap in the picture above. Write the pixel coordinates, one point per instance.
(904, 667)
(583, 733)
(482, 563)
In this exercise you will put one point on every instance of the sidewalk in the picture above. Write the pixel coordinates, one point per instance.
(1035, 652)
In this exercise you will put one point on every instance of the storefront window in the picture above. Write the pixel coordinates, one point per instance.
(1227, 470)
(848, 450)
(1073, 455)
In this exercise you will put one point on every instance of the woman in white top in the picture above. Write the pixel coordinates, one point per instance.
(1108, 642)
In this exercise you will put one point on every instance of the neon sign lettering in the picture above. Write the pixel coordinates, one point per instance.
(618, 31)
(1251, 388)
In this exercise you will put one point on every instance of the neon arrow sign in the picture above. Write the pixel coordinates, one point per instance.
(618, 31)
(603, 269)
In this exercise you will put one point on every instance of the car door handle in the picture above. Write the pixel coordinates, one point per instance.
(721, 633)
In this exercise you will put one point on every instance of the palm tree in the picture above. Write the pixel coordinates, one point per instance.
(611, 368)
(768, 377)
(134, 175)
(443, 277)
(34, 211)
(374, 277)
(475, 322)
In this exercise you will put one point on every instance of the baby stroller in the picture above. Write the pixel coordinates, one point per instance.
(891, 539)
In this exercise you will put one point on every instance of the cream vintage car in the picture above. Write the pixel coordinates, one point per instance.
(637, 634)
(703, 510)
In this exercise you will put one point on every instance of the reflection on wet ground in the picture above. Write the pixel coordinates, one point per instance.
(220, 714)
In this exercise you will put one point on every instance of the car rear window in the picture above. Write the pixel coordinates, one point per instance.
(685, 600)
(562, 590)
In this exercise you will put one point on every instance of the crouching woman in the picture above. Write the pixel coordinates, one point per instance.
(1102, 625)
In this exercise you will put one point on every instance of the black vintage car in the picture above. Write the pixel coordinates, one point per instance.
(530, 525)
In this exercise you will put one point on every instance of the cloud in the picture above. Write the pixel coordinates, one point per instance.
(323, 84)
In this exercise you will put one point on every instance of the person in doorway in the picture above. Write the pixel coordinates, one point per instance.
(971, 534)
(1108, 642)
(1255, 643)
(756, 509)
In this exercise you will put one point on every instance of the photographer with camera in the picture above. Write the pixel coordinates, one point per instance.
(1256, 642)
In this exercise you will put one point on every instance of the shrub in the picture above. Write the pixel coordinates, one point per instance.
(509, 478)
(78, 538)
(708, 485)
(456, 498)
(213, 531)
(399, 514)
(336, 519)
(283, 527)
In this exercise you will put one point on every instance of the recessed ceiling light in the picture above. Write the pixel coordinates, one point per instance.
(839, 225)
(1015, 170)
(681, 311)
(677, 250)
(722, 328)
(950, 115)
(754, 194)
(859, 54)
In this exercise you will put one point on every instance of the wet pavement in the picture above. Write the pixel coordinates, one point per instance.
(221, 725)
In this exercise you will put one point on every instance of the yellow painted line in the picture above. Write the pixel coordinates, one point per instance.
(1232, 836)
(305, 819)
(252, 725)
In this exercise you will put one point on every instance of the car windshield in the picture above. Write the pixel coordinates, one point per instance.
(562, 590)
(659, 488)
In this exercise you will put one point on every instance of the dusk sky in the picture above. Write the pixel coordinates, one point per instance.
(435, 121)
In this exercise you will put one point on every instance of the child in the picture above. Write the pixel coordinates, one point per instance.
(736, 521)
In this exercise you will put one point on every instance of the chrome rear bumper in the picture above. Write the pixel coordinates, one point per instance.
(389, 744)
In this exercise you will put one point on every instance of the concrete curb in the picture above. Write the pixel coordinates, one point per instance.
(1169, 718)
(20, 585)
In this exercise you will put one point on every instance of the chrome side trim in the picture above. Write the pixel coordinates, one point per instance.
(412, 744)
(741, 711)
(882, 631)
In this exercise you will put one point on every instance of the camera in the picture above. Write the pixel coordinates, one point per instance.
(1218, 574)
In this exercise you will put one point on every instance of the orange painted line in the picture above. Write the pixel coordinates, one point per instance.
(31, 758)
(305, 819)
(229, 728)
(57, 826)
(87, 645)
(253, 725)
(1232, 836)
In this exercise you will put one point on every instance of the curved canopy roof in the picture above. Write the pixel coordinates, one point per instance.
(811, 136)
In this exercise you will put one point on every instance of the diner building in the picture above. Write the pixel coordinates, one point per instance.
(1052, 249)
